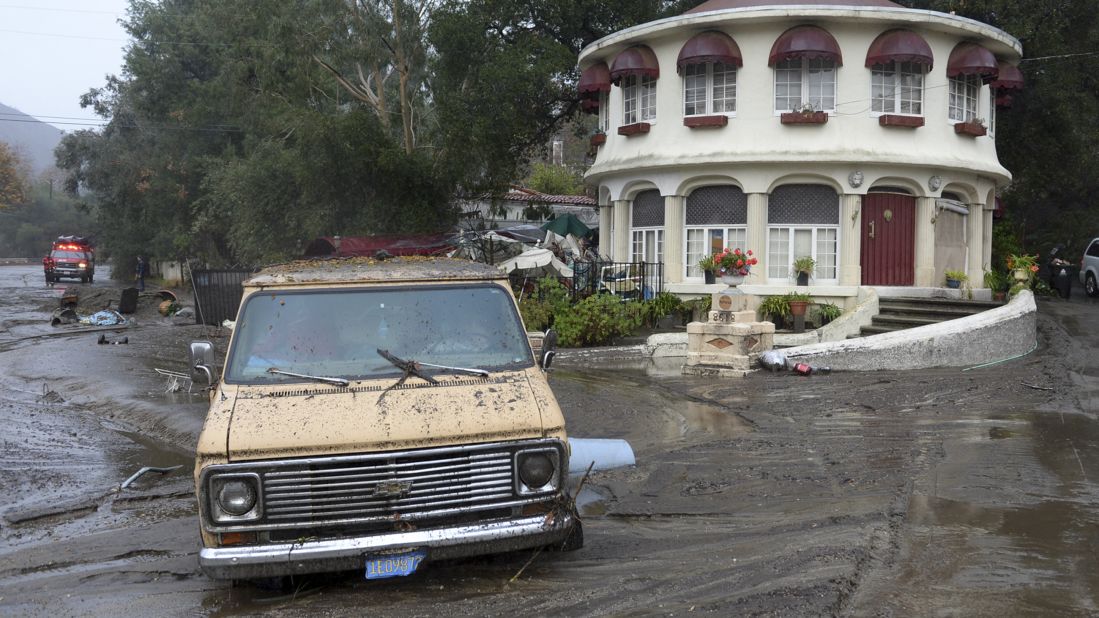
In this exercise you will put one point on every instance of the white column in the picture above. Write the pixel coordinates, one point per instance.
(986, 253)
(622, 230)
(606, 217)
(925, 243)
(674, 213)
(850, 258)
(757, 235)
(975, 243)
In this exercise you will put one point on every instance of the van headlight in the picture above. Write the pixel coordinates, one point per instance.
(234, 497)
(539, 470)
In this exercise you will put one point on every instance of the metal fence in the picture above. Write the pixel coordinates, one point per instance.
(218, 294)
(627, 280)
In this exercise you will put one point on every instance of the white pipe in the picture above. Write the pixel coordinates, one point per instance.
(600, 454)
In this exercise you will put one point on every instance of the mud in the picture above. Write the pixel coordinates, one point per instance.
(880, 493)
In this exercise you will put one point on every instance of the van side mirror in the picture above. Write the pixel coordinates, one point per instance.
(201, 360)
(549, 349)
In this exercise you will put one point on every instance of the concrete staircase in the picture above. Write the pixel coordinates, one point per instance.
(901, 313)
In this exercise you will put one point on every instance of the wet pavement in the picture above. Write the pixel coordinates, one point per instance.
(933, 492)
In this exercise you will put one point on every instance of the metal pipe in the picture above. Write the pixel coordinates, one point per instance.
(138, 474)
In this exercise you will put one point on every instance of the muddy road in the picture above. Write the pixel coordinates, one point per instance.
(881, 493)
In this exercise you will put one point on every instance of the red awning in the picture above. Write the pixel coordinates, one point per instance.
(637, 60)
(900, 46)
(709, 46)
(972, 59)
(805, 42)
(593, 80)
(1009, 78)
(590, 106)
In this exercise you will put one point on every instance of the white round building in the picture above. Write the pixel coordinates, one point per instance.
(856, 132)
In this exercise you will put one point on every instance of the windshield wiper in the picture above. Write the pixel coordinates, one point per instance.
(325, 379)
(416, 365)
(409, 367)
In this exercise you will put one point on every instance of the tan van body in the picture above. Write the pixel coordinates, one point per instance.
(370, 465)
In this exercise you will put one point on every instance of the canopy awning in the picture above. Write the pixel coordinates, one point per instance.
(637, 60)
(900, 46)
(709, 46)
(538, 261)
(808, 42)
(593, 80)
(972, 59)
(1008, 78)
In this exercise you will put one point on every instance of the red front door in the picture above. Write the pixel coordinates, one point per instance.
(888, 239)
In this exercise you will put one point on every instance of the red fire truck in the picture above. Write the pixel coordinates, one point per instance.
(72, 257)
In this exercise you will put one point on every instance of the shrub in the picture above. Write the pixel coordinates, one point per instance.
(596, 320)
(775, 306)
(548, 298)
(664, 304)
(828, 312)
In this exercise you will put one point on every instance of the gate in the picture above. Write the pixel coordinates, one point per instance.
(218, 294)
(888, 239)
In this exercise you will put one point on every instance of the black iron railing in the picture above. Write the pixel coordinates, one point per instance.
(218, 294)
(626, 280)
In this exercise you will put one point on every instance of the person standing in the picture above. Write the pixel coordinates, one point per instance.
(141, 270)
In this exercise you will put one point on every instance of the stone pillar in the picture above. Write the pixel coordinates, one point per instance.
(622, 230)
(675, 207)
(606, 218)
(757, 236)
(975, 243)
(850, 257)
(925, 242)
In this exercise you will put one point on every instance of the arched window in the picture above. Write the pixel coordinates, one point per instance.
(898, 60)
(647, 227)
(708, 63)
(636, 70)
(805, 60)
(969, 66)
(803, 220)
(716, 218)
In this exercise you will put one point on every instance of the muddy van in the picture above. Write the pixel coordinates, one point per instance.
(375, 416)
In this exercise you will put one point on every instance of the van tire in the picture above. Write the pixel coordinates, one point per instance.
(1090, 286)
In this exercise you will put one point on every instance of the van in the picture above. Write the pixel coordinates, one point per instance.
(1089, 268)
(376, 416)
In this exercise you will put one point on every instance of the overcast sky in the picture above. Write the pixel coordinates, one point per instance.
(53, 51)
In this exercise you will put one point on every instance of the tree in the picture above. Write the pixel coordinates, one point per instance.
(13, 177)
(555, 180)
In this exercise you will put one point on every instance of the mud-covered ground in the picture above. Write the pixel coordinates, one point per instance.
(884, 493)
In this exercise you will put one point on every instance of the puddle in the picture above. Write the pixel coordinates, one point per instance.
(712, 420)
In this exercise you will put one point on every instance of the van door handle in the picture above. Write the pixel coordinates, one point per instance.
(871, 234)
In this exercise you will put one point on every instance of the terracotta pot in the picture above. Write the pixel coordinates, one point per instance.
(798, 307)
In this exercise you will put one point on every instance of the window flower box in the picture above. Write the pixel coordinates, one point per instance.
(598, 140)
(698, 122)
(971, 128)
(636, 128)
(804, 117)
(896, 120)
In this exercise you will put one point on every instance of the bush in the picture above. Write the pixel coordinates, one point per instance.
(596, 320)
(828, 312)
(664, 304)
(548, 298)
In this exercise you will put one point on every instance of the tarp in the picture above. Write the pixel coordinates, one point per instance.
(536, 260)
(567, 224)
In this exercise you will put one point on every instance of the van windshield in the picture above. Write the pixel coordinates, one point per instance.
(336, 333)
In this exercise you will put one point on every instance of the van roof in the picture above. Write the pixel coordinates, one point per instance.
(370, 270)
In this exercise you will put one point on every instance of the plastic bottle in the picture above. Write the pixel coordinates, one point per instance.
(807, 369)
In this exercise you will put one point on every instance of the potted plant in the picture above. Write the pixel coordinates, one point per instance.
(955, 278)
(734, 265)
(998, 282)
(826, 312)
(775, 307)
(707, 265)
(598, 138)
(803, 269)
(803, 114)
(799, 302)
(1023, 267)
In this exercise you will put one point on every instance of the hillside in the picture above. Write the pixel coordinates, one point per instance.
(30, 137)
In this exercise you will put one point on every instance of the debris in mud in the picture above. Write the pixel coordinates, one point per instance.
(50, 396)
(773, 360)
(104, 341)
(139, 473)
(176, 381)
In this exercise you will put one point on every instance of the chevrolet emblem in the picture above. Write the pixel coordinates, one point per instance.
(392, 489)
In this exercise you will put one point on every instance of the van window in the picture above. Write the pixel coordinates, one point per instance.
(336, 333)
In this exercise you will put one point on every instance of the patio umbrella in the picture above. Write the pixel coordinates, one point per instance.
(537, 262)
(567, 224)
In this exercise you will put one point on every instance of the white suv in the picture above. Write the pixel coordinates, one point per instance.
(1089, 268)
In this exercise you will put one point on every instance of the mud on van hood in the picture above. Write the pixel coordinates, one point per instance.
(315, 419)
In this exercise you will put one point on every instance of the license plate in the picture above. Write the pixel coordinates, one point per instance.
(383, 566)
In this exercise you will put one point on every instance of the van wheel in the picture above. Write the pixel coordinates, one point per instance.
(1090, 287)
